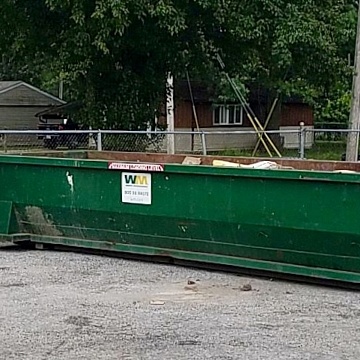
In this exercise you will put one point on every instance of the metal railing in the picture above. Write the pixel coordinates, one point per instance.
(300, 142)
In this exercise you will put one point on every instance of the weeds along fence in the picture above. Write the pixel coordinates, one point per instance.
(301, 142)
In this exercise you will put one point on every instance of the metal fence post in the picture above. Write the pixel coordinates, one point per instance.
(203, 142)
(99, 140)
(302, 140)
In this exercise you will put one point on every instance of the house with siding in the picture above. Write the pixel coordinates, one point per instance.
(219, 117)
(20, 102)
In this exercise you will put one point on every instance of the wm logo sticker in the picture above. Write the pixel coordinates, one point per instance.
(136, 188)
(136, 180)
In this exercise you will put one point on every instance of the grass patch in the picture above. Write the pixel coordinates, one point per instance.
(321, 150)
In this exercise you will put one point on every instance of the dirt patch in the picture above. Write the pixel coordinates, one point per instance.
(40, 222)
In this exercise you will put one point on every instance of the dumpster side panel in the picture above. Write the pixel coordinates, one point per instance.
(266, 216)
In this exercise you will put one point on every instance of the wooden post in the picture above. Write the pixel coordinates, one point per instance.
(352, 146)
(170, 114)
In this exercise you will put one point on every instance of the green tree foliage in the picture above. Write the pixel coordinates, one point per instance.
(333, 111)
(114, 55)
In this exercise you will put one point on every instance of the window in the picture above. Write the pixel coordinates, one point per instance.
(227, 115)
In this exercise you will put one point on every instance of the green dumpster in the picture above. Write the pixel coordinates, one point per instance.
(288, 221)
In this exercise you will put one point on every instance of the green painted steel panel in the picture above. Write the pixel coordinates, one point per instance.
(288, 221)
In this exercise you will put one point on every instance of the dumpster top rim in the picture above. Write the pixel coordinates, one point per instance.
(283, 174)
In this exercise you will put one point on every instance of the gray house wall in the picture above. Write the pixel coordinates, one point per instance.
(20, 103)
(19, 118)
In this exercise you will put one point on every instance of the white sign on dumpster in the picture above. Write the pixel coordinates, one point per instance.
(136, 188)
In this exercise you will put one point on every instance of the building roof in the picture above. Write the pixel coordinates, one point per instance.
(6, 86)
(58, 110)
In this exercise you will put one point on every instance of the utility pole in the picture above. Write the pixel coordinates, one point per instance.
(170, 114)
(352, 146)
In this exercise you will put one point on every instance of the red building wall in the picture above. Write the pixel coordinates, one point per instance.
(291, 115)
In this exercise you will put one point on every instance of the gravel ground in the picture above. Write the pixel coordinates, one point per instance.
(73, 306)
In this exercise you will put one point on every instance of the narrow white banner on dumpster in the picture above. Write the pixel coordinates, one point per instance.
(136, 188)
(135, 167)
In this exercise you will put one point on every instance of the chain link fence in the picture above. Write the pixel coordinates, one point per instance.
(133, 141)
(329, 144)
(301, 142)
(30, 140)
